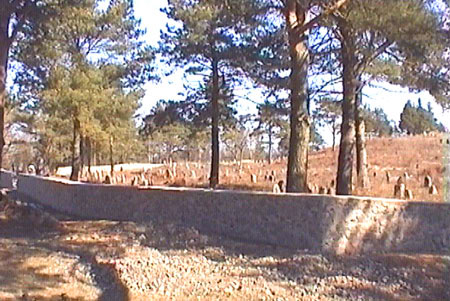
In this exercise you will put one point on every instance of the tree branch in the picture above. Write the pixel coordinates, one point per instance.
(367, 60)
(318, 18)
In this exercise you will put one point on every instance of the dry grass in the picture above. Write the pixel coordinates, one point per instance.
(416, 155)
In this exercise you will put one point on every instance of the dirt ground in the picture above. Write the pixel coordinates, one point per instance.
(47, 256)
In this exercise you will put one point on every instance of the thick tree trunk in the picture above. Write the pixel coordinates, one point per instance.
(4, 53)
(346, 147)
(214, 177)
(361, 152)
(75, 151)
(297, 168)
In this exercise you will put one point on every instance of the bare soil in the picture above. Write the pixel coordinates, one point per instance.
(46, 256)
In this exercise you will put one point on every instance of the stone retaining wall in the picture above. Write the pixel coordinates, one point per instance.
(342, 225)
(6, 179)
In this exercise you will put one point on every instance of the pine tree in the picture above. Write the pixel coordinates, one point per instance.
(207, 45)
(329, 113)
(273, 55)
(86, 66)
(270, 119)
(415, 120)
(14, 15)
(367, 30)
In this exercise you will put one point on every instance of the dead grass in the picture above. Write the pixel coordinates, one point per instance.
(418, 156)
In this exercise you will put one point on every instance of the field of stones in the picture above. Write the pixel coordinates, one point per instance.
(406, 167)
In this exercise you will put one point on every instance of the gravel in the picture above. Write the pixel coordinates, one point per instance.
(124, 260)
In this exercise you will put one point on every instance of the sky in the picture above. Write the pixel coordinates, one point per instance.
(390, 98)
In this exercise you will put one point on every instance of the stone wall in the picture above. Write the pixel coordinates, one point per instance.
(342, 225)
(6, 179)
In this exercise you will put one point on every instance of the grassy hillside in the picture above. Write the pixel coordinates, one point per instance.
(418, 156)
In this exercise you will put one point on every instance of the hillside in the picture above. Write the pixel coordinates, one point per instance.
(418, 156)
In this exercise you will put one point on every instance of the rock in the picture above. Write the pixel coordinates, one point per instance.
(322, 190)
(409, 194)
(433, 190)
(276, 188)
(427, 182)
(399, 191)
(168, 174)
(107, 179)
(331, 191)
(388, 177)
(281, 186)
(253, 178)
(135, 181)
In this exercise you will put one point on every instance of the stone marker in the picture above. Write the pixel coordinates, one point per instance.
(168, 174)
(276, 188)
(253, 178)
(433, 190)
(409, 194)
(107, 180)
(281, 186)
(399, 191)
(427, 182)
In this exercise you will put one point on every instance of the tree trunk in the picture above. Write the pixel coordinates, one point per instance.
(241, 157)
(345, 159)
(4, 53)
(75, 151)
(297, 168)
(82, 154)
(214, 177)
(270, 145)
(111, 154)
(89, 152)
(94, 154)
(361, 152)
(334, 134)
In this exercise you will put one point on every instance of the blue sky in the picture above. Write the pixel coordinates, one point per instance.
(391, 98)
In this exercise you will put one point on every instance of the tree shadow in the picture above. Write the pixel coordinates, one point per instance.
(27, 271)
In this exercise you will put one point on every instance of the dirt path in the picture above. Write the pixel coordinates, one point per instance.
(45, 259)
